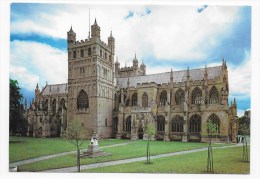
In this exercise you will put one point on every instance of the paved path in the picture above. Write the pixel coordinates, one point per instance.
(117, 162)
(22, 162)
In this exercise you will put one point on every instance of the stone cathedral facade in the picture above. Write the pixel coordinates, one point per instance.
(119, 102)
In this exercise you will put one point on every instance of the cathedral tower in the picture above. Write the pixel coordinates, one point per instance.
(90, 81)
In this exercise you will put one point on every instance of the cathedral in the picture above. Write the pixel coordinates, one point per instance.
(119, 102)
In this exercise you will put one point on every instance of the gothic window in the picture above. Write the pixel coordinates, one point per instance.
(100, 53)
(179, 97)
(128, 124)
(195, 123)
(106, 122)
(115, 123)
(134, 99)
(105, 55)
(160, 124)
(40, 120)
(177, 124)
(110, 58)
(163, 98)
(89, 51)
(53, 105)
(213, 96)
(82, 100)
(62, 104)
(145, 100)
(215, 120)
(81, 53)
(74, 54)
(45, 105)
(196, 96)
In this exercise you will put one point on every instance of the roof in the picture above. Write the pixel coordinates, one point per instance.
(55, 89)
(178, 76)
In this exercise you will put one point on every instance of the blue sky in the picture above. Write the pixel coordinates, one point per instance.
(164, 37)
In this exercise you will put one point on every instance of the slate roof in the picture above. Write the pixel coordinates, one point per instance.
(55, 89)
(178, 76)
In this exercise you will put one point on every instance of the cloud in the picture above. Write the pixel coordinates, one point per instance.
(240, 78)
(33, 62)
(165, 32)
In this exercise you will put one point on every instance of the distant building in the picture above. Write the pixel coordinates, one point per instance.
(119, 102)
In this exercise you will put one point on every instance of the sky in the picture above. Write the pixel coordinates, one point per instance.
(162, 36)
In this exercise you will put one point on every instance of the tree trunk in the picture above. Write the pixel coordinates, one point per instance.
(78, 160)
(210, 158)
(245, 151)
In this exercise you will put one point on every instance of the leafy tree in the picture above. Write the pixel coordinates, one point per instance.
(150, 131)
(76, 134)
(212, 129)
(17, 121)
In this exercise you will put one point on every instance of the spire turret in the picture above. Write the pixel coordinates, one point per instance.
(95, 30)
(71, 37)
(135, 62)
(171, 77)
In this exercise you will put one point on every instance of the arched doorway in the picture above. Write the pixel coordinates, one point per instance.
(140, 133)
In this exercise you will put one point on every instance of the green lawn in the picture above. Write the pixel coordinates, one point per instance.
(21, 148)
(134, 149)
(226, 161)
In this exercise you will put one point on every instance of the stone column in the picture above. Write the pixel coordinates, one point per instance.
(120, 126)
(166, 132)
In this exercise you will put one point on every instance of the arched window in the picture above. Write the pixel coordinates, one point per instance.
(177, 124)
(195, 123)
(105, 55)
(74, 54)
(196, 96)
(45, 105)
(62, 104)
(82, 100)
(100, 53)
(145, 100)
(160, 124)
(134, 99)
(115, 124)
(81, 53)
(89, 51)
(40, 120)
(163, 98)
(179, 97)
(106, 122)
(128, 124)
(214, 120)
(53, 105)
(213, 96)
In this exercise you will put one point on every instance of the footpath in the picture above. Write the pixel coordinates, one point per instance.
(22, 162)
(124, 161)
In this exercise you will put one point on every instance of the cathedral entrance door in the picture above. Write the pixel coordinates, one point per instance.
(140, 133)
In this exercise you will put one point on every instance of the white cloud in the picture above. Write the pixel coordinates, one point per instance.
(240, 78)
(33, 62)
(168, 32)
(24, 77)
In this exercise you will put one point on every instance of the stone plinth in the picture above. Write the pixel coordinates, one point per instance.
(94, 151)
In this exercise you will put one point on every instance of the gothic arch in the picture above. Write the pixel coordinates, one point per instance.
(177, 124)
(53, 105)
(196, 96)
(215, 120)
(213, 96)
(62, 104)
(195, 123)
(145, 100)
(134, 99)
(160, 123)
(163, 98)
(128, 124)
(179, 97)
(82, 101)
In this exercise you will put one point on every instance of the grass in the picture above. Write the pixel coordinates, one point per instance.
(226, 161)
(21, 148)
(134, 149)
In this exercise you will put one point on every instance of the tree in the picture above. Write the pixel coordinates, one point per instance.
(150, 131)
(76, 134)
(212, 129)
(244, 130)
(17, 121)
